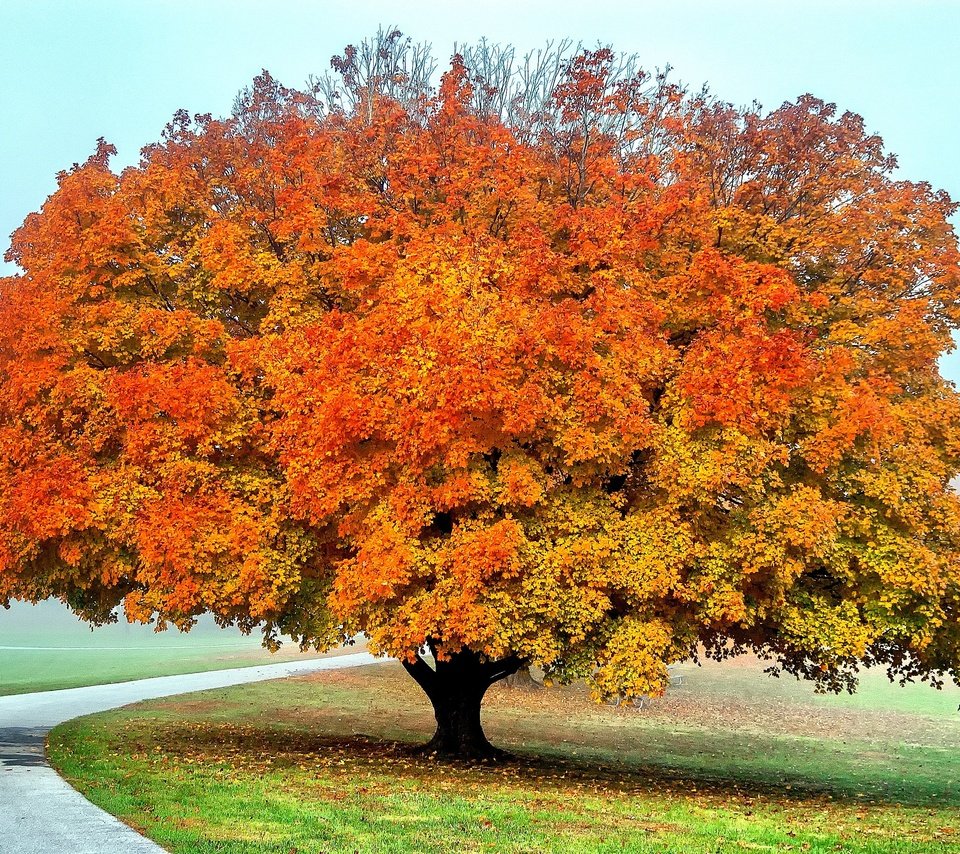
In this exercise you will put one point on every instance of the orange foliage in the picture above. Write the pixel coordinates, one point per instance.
(652, 373)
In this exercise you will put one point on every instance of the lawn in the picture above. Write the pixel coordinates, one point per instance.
(729, 761)
(45, 647)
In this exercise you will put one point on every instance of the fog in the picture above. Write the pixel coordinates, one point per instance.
(52, 622)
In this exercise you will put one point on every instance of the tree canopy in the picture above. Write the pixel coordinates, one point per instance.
(557, 363)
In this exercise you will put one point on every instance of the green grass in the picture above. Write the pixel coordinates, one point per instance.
(45, 648)
(728, 761)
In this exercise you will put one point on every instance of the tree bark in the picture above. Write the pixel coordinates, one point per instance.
(522, 680)
(456, 688)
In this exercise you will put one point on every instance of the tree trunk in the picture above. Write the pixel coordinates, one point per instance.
(456, 688)
(459, 730)
(522, 680)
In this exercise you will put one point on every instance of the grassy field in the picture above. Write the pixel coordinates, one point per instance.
(729, 761)
(45, 647)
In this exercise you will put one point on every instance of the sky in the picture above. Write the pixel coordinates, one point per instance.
(71, 72)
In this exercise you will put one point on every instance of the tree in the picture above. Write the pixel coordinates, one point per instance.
(591, 379)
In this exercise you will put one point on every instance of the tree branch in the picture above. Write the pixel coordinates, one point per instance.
(497, 670)
(421, 672)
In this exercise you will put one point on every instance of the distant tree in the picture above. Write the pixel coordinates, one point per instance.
(558, 364)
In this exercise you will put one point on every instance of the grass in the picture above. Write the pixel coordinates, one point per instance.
(43, 648)
(728, 761)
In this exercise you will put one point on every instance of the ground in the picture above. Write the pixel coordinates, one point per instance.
(44, 647)
(729, 761)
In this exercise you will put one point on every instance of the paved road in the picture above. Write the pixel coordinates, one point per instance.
(39, 812)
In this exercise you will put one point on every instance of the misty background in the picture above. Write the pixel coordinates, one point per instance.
(70, 73)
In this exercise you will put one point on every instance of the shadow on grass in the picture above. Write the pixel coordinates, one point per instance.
(21, 746)
(256, 749)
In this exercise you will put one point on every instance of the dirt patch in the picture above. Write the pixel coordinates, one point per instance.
(381, 702)
(188, 707)
(683, 707)
(787, 718)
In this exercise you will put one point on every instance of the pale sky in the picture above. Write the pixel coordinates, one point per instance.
(74, 71)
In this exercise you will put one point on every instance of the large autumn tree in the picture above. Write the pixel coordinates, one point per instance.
(554, 364)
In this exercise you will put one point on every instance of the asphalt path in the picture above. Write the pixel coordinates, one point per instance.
(42, 814)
